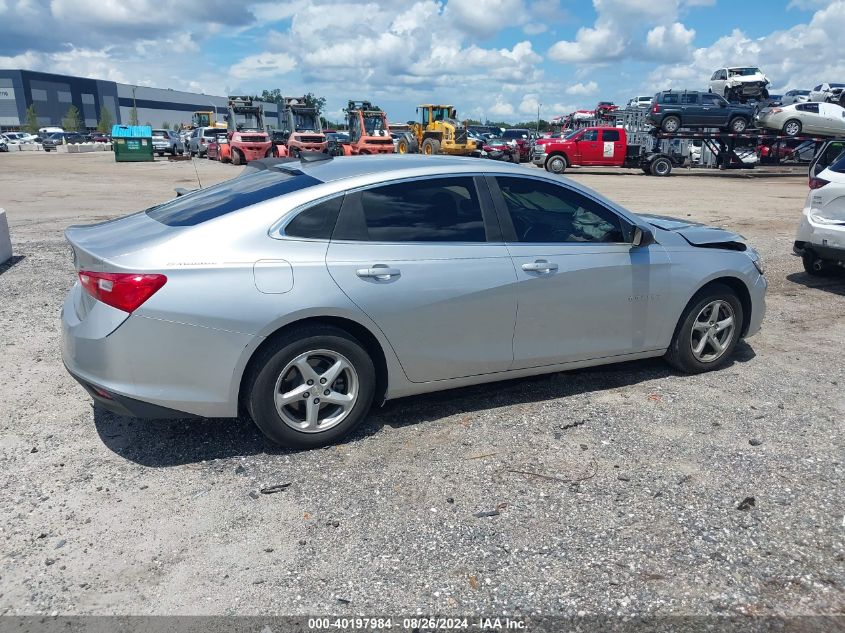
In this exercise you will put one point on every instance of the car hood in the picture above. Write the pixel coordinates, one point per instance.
(744, 79)
(699, 235)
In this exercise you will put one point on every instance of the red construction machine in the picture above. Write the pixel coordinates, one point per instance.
(369, 132)
(248, 138)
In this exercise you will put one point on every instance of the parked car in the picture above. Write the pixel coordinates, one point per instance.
(167, 141)
(100, 137)
(792, 150)
(826, 155)
(820, 240)
(335, 141)
(500, 149)
(4, 143)
(795, 96)
(828, 93)
(605, 108)
(740, 83)
(643, 102)
(672, 110)
(825, 119)
(375, 320)
(50, 143)
(218, 148)
(522, 137)
(200, 138)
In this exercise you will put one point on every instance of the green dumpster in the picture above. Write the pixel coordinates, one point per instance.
(132, 143)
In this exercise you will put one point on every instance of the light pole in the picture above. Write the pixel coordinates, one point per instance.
(539, 105)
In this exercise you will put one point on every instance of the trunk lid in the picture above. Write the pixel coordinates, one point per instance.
(100, 247)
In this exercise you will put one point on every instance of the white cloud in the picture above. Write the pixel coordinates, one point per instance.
(262, 65)
(629, 30)
(673, 40)
(591, 87)
(485, 17)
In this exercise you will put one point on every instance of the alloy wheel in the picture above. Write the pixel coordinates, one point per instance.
(712, 331)
(316, 391)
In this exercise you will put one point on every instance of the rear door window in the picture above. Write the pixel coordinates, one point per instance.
(610, 135)
(669, 98)
(808, 107)
(316, 222)
(689, 98)
(212, 202)
(427, 210)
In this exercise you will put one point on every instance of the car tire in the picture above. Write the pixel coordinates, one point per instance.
(276, 371)
(792, 127)
(670, 124)
(686, 352)
(236, 158)
(738, 125)
(814, 265)
(557, 164)
(430, 147)
(160, 153)
(661, 167)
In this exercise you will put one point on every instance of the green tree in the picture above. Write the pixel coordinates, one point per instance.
(133, 116)
(72, 121)
(31, 124)
(315, 102)
(166, 125)
(106, 121)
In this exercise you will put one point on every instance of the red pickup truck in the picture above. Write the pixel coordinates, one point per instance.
(599, 146)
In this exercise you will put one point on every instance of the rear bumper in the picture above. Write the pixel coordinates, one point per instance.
(148, 366)
(128, 407)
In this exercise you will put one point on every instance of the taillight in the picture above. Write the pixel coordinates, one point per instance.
(124, 291)
(202, 140)
(655, 108)
(817, 183)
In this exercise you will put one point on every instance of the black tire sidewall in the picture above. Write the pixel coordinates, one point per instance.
(260, 401)
(680, 353)
(673, 118)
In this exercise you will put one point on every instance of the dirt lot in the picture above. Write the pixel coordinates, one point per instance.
(617, 489)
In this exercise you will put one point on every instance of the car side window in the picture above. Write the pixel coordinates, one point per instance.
(610, 135)
(316, 222)
(670, 98)
(808, 107)
(426, 210)
(590, 135)
(710, 99)
(689, 98)
(543, 212)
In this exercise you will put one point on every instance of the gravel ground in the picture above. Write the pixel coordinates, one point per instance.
(621, 490)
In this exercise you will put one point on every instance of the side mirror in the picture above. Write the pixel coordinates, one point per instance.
(723, 104)
(642, 237)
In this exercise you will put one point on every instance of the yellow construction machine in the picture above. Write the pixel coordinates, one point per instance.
(437, 132)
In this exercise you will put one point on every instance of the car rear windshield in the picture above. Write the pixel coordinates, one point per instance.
(206, 204)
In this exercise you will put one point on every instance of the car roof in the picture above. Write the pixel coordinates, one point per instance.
(394, 166)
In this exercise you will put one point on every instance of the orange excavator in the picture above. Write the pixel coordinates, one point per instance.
(369, 132)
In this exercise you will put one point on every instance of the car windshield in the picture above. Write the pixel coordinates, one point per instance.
(839, 164)
(837, 85)
(231, 195)
(305, 122)
(158, 133)
(571, 134)
(742, 72)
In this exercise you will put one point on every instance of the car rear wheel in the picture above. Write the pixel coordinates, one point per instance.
(557, 164)
(661, 167)
(670, 124)
(312, 387)
(707, 332)
(792, 127)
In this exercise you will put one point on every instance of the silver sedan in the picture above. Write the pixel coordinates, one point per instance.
(824, 119)
(305, 292)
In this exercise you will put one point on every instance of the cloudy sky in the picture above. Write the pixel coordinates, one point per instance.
(491, 58)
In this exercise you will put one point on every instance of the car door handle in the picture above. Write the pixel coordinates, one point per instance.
(382, 273)
(540, 266)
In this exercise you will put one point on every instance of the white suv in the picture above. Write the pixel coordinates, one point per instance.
(740, 83)
(829, 93)
(821, 233)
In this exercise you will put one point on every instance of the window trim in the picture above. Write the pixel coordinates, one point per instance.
(492, 228)
(509, 231)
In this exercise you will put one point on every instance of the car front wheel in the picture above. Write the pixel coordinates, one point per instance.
(671, 124)
(708, 331)
(557, 164)
(738, 125)
(312, 387)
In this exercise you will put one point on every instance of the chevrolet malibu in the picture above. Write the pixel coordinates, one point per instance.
(302, 293)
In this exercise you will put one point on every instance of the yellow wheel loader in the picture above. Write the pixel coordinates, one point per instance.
(437, 132)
